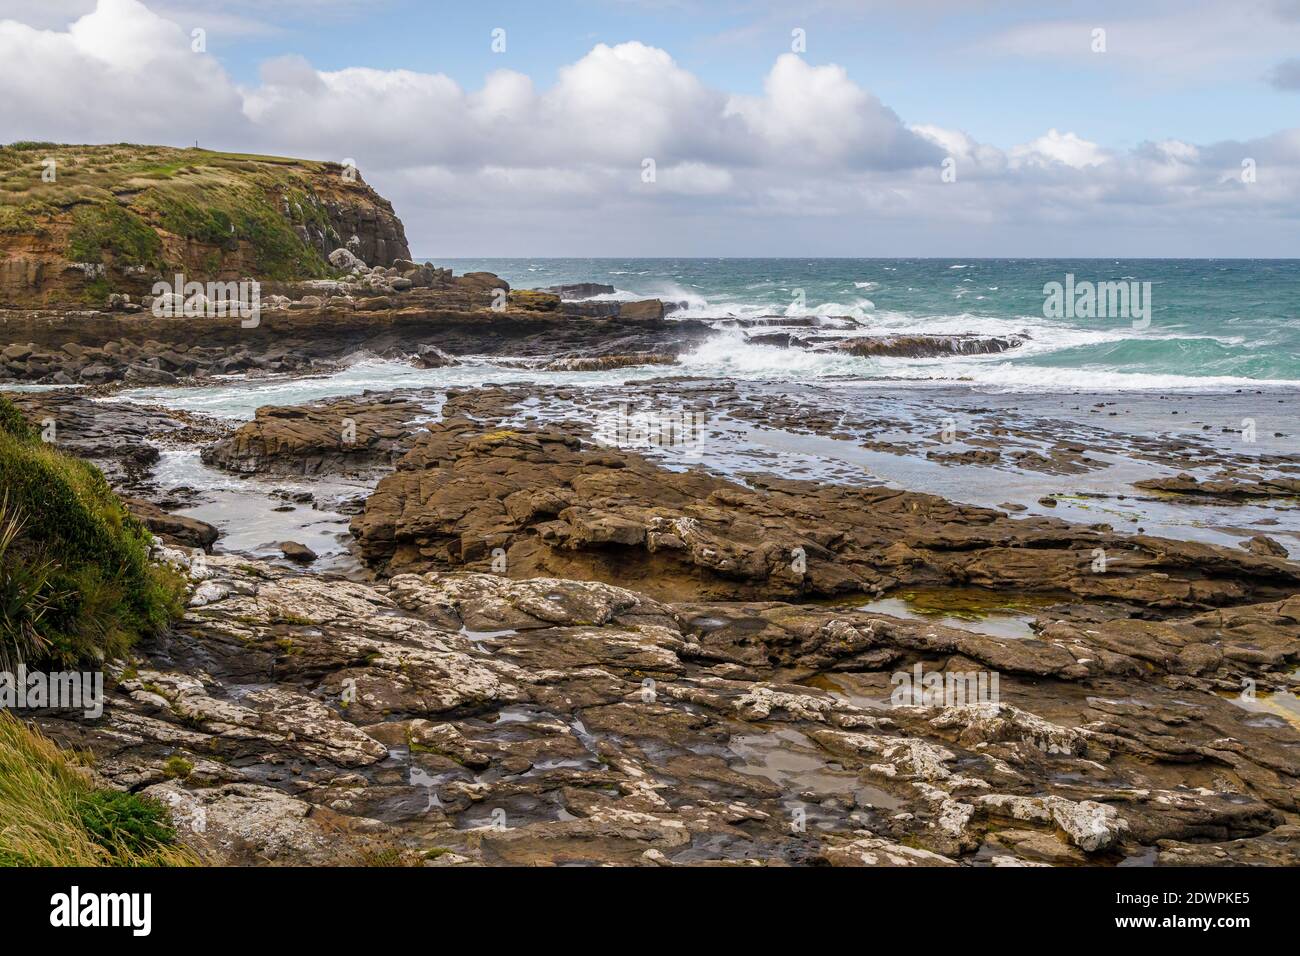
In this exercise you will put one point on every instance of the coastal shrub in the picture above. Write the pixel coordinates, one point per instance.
(177, 767)
(193, 220)
(124, 823)
(96, 291)
(51, 814)
(235, 213)
(26, 145)
(76, 583)
(281, 254)
(108, 227)
(119, 201)
(13, 422)
(15, 220)
(27, 595)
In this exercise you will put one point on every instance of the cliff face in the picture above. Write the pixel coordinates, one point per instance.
(80, 222)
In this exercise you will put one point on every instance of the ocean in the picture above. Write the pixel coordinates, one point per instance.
(1213, 323)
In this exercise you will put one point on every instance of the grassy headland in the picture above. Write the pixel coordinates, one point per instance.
(114, 217)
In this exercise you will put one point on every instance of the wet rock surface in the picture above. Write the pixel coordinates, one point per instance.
(544, 502)
(927, 346)
(403, 309)
(464, 718)
(345, 436)
(1237, 487)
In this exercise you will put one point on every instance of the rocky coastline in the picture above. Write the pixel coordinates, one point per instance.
(538, 643)
(563, 651)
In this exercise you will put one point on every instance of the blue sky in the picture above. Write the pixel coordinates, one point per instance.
(1056, 147)
(931, 62)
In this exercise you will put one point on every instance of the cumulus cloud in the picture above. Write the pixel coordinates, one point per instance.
(509, 168)
(119, 72)
(818, 114)
(631, 101)
(973, 158)
(615, 106)
(1065, 148)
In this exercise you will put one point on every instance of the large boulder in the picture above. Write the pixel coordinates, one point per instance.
(344, 259)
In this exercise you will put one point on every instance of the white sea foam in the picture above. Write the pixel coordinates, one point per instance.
(729, 354)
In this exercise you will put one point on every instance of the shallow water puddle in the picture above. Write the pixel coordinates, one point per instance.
(255, 514)
(855, 689)
(972, 609)
(479, 638)
(1268, 709)
(793, 762)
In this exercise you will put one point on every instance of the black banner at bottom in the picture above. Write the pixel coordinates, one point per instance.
(332, 906)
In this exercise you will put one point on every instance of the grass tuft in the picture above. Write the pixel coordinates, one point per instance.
(52, 815)
(76, 583)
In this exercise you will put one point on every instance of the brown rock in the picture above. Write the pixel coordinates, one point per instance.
(1264, 545)
(176, 529)
(297, 552)
(343, 436)
(928, 346)
(556, 508)
(647, 310)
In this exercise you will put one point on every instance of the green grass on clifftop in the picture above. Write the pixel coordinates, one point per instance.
(118, 204)
(76, 584)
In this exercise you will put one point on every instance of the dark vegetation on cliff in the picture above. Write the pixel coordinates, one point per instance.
(79, 222)
(76, 583)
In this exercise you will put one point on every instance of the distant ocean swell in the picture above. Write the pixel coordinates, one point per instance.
(1214, 324)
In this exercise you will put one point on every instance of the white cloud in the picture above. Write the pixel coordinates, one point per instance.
(818, 114)
(631, 101)
(117, 32)
(506, 96)
(696, 179)
(1053, 147)
(118, 73)
(972, 158)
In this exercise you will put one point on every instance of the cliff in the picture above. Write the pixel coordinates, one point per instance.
(80, 222)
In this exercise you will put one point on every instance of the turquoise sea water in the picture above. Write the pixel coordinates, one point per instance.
(1214, 323)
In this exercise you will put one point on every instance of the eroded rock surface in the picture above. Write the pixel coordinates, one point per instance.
(465, 718)
(544, 502)
(344, 436)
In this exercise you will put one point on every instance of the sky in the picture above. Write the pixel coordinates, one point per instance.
(716, 127)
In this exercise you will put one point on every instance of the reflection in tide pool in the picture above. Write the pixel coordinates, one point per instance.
(970, 609)
(255, 514)
(1269, 709)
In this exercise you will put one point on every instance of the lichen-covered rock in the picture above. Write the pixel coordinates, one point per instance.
(873, 851)
(242, 824)
(462, 718)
